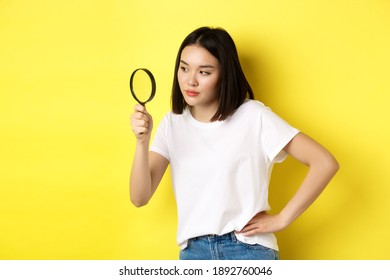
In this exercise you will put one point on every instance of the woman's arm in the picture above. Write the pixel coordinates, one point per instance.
(148, 167)
(322, 167)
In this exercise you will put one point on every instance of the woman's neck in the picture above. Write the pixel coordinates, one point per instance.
(203, 114)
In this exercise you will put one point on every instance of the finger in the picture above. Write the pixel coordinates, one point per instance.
(249, 233)
(140, 130)
(245, 232)
(140, 123)
(141, 116)
(252, 223)
(139, 108)
(249, 228)
(139, 127)
(139, 119)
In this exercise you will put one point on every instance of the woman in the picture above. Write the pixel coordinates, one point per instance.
(221, 146)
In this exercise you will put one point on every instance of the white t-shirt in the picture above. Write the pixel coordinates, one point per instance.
(221, 170)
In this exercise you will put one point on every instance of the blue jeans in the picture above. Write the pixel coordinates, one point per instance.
(225, 247)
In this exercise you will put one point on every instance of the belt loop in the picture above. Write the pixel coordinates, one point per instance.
(233, 236)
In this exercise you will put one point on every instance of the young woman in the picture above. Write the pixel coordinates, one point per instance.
(221, 146)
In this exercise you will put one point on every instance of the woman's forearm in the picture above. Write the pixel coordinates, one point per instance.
(140, 177)
(320, 173)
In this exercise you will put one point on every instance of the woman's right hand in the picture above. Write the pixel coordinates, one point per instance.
(142, 123)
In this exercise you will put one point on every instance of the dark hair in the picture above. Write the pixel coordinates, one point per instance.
(234, 87)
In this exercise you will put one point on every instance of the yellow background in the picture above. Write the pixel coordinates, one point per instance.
(66, 145)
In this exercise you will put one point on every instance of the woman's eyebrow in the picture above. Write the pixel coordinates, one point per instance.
(201, 66)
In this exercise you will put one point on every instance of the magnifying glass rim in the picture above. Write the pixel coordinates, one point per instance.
(153, 92)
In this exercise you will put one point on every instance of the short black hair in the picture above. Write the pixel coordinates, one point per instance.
(234, 87)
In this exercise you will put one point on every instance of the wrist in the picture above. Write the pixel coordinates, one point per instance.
(143, 143)
(285, 219)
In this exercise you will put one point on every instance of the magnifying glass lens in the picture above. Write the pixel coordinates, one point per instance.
(142, 86)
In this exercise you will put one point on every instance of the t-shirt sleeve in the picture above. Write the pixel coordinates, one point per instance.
(276, 133)
(160, 140)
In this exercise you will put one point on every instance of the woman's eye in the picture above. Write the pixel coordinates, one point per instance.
(184, 69)
(204, 73)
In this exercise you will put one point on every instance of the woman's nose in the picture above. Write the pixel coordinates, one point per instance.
(192, 81)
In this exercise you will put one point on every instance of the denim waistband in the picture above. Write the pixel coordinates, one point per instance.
(215, 237)
(225, 247)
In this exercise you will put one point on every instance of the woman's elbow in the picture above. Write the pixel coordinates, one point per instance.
(138, 202)
(330, 163)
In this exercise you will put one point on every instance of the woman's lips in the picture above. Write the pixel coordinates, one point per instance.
(192, 93)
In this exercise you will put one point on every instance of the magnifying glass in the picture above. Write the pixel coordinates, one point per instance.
(143, 82)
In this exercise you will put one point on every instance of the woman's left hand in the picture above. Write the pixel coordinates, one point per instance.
(263, 223)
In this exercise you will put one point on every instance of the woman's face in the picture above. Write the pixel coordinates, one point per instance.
(199, 78)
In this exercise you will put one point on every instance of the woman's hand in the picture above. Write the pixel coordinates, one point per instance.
(263, 223)
(141, 123)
